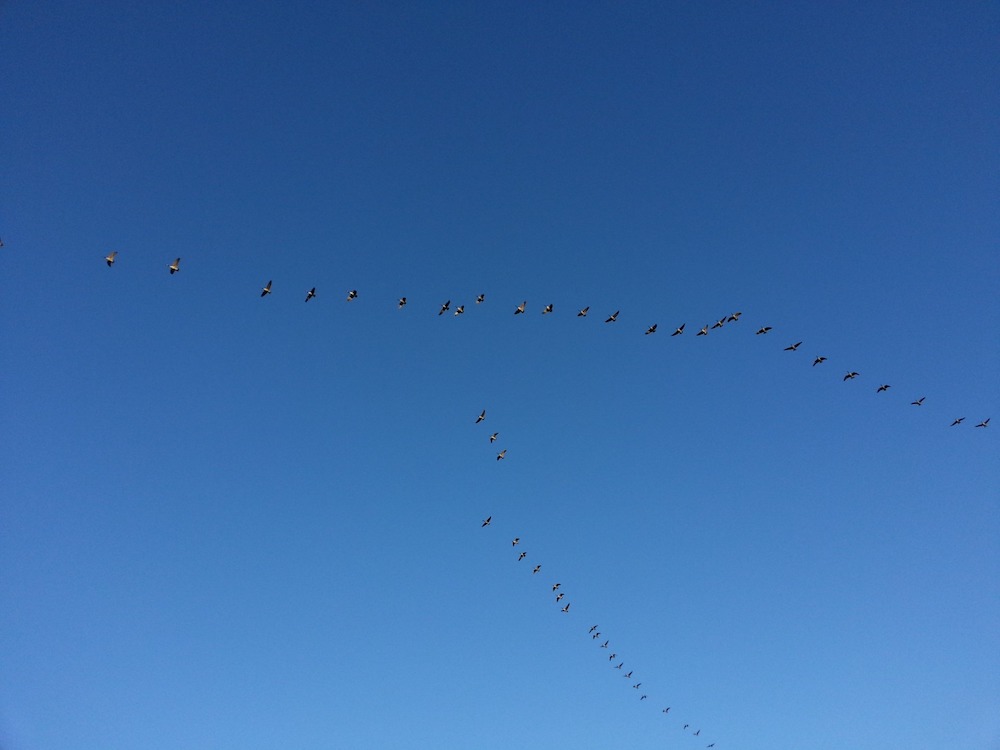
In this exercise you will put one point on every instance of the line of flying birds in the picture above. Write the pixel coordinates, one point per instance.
(352, 295)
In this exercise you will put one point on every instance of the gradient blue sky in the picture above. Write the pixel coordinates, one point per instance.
(235, 522)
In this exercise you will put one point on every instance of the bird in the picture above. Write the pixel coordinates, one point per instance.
(819, 361)
(402, 302)
(559, 596)
(596, 635)
(636, 685)
(501, 454)
(522, 556)
(679, 330)
(537, 568)
(666, 710)
(566, 608)
(555, 586)
(883, 387)
(793, 347)
(593, 629)
(696, 733)
(487, 522)
(481, 417)
(605, 644)
(459, 310)
(686, 726)
(712, 745)
(763, 330)
(984, 423)
(851, 375)
(651, 329)
(958, 421)
(493, 437)
(613, 317)
(619, 666)
(628, 676)
(735, 316)
(583, 312)
(719, 323)
(642, 698)
(175, 266)
(444, 308)
(703, 331)
(310, 294)
(110, 259)
(520, 308)
(546, 310)
(480, 298)
(918, 402)
(266, 290)
(612, 657)
(517, 541)
(352, 295)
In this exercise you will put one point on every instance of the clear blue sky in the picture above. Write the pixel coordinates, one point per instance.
(234, 522)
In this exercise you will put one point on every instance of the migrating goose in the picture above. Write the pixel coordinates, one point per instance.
(583, 312)
(501, 454)
(679, 330)
(487, 522)
(735, 316)
(537, 568)
(481, 417)
(517, 541)
(310, 294)
(593, 629)
(613, 317)
(566, 608)
(175, 266)
(883, 387)
(596, 635)
(666, 710)
(612, 657)
(958, 421)
(110, 259)
(851, 375)
(444, 308)
(520, 308)
(522, 556)
(984, 423)
(266, 290)
(619, 666)
(546, 310)
(559, 596)
(636, 685)
(696, 733)
(642, 698)
(918, 402)
(628, 676)
(719, 323)
(819, 361)
(651, 329)
(793, 347)
(703, 331)
(555, 586)
(459, 310)
(765, 329)
(605, 644)
(480, 298)
(494, 436)
(352, 295)
(402, 302)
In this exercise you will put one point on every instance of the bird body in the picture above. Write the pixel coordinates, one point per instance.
(918, 402)
(958, 421)
(175, 266)
(480, 298)
(520, 308)
(546, 310)
(679, 330)
(851, 375)
(487, 522)
(459, 310)
(266, 290)
(501, 454)
(110, 259)
(651, 329)
(352, 295)
(763, 330)
(703, 331)
(444, 308)
(402, 302)
(583, 312)
(984, 423)
(613, 317)
(517, 540)
(793, 347)
(493, 437)
(310, 294)
(819, 361)
(481, 417)
(522, 556)
(566, 608)
(537, 568)
(883, 387)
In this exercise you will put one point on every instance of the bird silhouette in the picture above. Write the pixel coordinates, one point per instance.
(918, 402)
(613, 317)
(595, 627)
(266, 290)
(501, 454)
(636, 685)
(958, 421)
(719, 323)
(566, 608)
(679, 330)
(402, 302)
(651, 329)
(819, 361)
(696, 733)
(619, 666)
(352, 295)
(559, 596)
(685, 726)
(480, 298)
(642, 698)
(612, 657)
(110, 259)
(520, 308)
(735, 316)
(546, 310)
(628, 676)
(605, 644)
(555, 586)
(522, 556)
(703, 331)
(793, 347)
(666, 710)
(493, 437)
(310, 294)
(537, 568)
(763, 330)
(583, 312)
(481, 417)
(517, 541)
(175, 266)
(883, 387)
(444, 308)
(487, 522)
(596, 635)
(851, 375)
(459, 310)
(984, 423)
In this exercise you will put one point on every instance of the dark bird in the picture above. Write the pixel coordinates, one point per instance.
(642, 698)
(460, 309)
(605, 644)
(636, 685)
(819, 361)
(537, 568)
(883, 387)
(696, 733)
(958, 421)
(619, 666)
(851, 375)
(522, 556)
(613, 317)
(793, 347)
(984, 423)
(712, 745)
(110, 259)
(517, 541)
(918, 402)
(686, 726)
(555, 586)
(310, 294)
(444, 308)
(352, 295)
(480, 298)
(765, 329)
(719, 323)
(596, 635)
(735, 316)
(612, 657)
(583, 312)
(666, 710)
(520, 308)
(493, 437)
(651, 329)
(266, 290)
(559, 596)
(628, 676)
(501, 454)
(546, 310)
(487, 522)
(175, 266)
(481, 417)
(680, 330)
(402, 302)
(703, 331)
(566, 608)
(593, 629)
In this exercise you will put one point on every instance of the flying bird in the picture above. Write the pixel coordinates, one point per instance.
(883, 387)
(666, 710)
(501, 454)
(556, 586)
(593, 629)
(402, 302)
(522, 556)
(444, 308)
(175, 266)
(605, 644)
(712, 745)
(559, 596)
(494, 436)
(719, 323)
(651, 329)
(612, 657)
(480, 298)
(642, 698)
(583, 312)
(520, 308)
(703, 331)
(636, 685)
(517, 541)
(680, 330)
(628, 676)
(613, 317)
(459, 310)
(696, 733)
(765, 329)
(487, 522)
(110, 259)
(352, 295)
(566, 608)
(793, 347)
(851, 375)
(619, 666)
(958, 421)
(984, 423)
(266, 290)
(537, 568)
(310, 294)
(735, 316)
(685, 726)
(596, 635)
(546, 310)
(819, 361)
(918, 402)
(481, 417)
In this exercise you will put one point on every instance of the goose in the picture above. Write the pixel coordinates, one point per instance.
(310, 294)
(480, 299)
(546, 310)
(918, 402)
(583, 312)
(520, 308)
(266, 290)
(763, 330)
(402, 302)
(481, 417)
(613, 317)
(679, 330)
(984, 423)
(819, 361)
(651, 329)
(445, 307)
(793, 347)
(487, 522)
(110, 259)
(352, 295)
(175, 266)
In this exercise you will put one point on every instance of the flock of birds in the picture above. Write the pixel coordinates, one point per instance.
(614, 660)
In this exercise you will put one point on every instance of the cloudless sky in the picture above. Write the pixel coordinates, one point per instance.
(235, 522)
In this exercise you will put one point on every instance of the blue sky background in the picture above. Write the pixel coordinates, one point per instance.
(235, 522)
